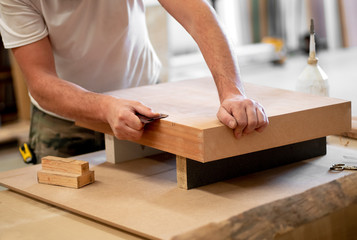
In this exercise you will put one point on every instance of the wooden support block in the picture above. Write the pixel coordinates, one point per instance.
(120, 150)
(192, 174)
(65, 179)
(65, 172)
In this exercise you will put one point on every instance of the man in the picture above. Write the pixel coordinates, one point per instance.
(73, 50)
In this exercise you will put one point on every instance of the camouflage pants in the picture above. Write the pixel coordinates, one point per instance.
(57, 137)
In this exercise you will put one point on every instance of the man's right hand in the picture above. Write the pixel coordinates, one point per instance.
(70, 100)
(122, 118)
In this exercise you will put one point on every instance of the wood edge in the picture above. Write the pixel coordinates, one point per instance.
(82, 180)
(95, 126)
(152, 136)
(282, 216)
(189, 136)
(226, 133)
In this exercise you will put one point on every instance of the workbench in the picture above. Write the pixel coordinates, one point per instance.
(295, 201)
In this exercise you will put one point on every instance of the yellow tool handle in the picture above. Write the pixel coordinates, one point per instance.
(26, 153)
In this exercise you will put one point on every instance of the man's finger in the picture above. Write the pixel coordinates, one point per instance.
(263, 120)
(252, 120)
(125, 132)
(145, 110)
(133, 121)
(242, 120)
(226, 118)
(133, 134)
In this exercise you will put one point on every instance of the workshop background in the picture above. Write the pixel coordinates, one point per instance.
(267, 34)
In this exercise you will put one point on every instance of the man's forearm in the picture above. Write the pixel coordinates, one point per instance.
(238, 112)
(51, 92)
(67, 99)
(200, 20)
(219, 55)
(71, 101)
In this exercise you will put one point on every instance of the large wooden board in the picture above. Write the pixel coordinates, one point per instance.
(141, 196)
(193, 131)
(25, 218)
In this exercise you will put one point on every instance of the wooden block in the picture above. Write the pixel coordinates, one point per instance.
(65, 179)
(120, 150)
(192, 174)
(64, 165)
(65, 172)
(193, 131)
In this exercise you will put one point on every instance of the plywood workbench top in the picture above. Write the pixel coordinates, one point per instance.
(192, 129)
(140, 196)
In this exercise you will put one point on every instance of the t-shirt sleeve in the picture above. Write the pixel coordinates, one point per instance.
(20, 23)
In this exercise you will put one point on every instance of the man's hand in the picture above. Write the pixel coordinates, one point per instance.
(242, 114)
(122, 118)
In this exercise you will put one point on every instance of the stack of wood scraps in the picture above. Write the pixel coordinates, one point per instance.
(65, 172)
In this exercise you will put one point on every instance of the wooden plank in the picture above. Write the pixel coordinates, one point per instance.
(65, 179)
(26, 215)
(29, 214)
(193, 131)
(193, 174)
(140, 196)
(64, 165)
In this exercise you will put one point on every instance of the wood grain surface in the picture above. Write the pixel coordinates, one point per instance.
(192, 129)
(140, 196)
(279, 218)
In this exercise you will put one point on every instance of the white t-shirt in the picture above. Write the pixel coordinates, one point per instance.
(101, 45)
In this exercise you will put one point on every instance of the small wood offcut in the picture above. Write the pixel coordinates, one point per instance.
(65, 172)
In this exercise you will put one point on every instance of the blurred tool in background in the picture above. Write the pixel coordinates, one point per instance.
(313, 79)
